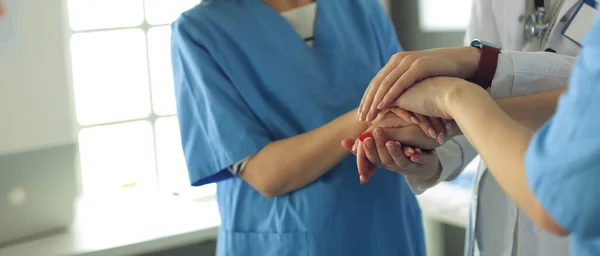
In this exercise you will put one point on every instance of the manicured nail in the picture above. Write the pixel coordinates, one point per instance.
(449, 128)
(390, 146)
(432, 133)
(369, 143)
(378, 133)
(414, 120)
(415, 159)
(410, 150)
(365, 135)
(440, 138)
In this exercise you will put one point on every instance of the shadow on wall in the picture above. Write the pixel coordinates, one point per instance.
(405, 15)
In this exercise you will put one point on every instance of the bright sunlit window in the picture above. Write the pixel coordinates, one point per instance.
(444, 15)
(124, 99)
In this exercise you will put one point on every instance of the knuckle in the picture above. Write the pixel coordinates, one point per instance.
(398, 56)
(420, 62)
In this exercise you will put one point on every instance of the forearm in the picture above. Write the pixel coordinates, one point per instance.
(531, 111)
(289, 164)
(502, 143)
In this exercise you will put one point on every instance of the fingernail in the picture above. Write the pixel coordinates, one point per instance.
(440, 138)
(414, 159)
(391, 146)
(410, 150)
(369, 143)
(414, 120)
(378, 132)
(354, 147)
(449, 128)
(361, 117)
(418, 150)
(431, 133)
(362, 179)
(380, 106)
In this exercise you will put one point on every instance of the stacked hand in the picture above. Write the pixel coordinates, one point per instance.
(396, 145)
(416, 87)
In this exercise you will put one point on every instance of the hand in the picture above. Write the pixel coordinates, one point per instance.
(433, 96)
(406, 68)
(396, 128)
(392, 155)
(437, 128)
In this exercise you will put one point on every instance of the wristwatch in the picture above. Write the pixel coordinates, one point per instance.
(488, 61)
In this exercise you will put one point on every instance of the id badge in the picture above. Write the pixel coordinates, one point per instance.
(581, 21)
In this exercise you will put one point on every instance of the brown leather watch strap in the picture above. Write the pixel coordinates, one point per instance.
(486, 69)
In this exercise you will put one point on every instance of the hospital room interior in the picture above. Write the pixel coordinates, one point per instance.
(91, 157)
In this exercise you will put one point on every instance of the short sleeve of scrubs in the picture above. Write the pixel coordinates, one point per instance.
(563, 158)
(217, 127)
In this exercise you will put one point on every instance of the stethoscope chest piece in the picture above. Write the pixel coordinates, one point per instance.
(535, 24)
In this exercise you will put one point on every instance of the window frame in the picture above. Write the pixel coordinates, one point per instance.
(152, 118)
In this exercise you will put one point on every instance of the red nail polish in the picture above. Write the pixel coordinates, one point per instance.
(365, 135)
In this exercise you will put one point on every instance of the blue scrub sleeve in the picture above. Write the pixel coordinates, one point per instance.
(563, 158)
(217, 126)
(384, 31)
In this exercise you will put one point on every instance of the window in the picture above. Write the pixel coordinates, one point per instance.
(124, 99)
(442, 15)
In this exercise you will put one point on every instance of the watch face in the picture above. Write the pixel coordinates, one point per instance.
(479, 44)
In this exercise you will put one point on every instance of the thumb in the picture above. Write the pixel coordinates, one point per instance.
(347, 144)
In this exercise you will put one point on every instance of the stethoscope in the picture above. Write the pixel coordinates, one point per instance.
(536, 23)
(539, 21)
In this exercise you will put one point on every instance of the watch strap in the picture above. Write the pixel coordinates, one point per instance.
(486, 69)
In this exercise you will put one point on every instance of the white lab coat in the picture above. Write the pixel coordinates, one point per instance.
(496, 225)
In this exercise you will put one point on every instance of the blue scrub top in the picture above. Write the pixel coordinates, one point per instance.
(244, 78)
(563, 159)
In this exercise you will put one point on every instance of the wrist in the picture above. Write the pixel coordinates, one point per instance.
(472, 55)
(458, 95)
(356, 128)
(430, 180)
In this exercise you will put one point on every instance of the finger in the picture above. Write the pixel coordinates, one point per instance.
(395, 149)
(348, 144)
(408, 78)
(426, 126)
(411, 135)
(408, 151)
(448, 126)
(405, 115)
(362, 163)
(418, 151)
(384, 87)
(371, 151)
(425, 158)
(380, 141)
(367, 99)
(438, 127)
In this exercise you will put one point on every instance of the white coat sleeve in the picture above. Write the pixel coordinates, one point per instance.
(517, 74)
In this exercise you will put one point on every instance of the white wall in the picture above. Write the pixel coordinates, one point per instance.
(35, 95)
